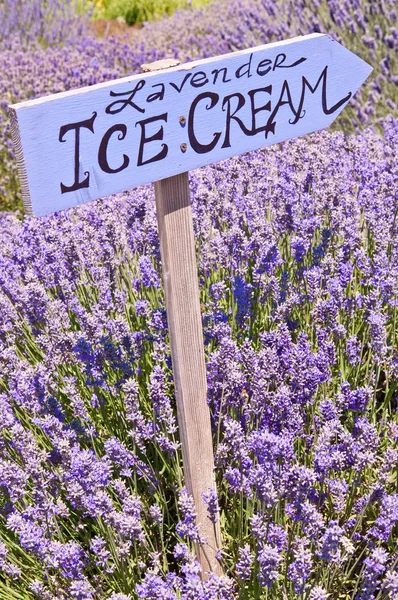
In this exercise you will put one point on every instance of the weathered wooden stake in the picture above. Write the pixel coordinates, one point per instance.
(180, 278)
(177, 247)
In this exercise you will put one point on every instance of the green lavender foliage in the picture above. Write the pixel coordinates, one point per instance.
(297, 257)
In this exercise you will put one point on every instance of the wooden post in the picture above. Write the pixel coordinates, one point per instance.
(180, 278)
(177, 247)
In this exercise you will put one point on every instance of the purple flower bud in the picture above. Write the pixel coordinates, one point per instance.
(300, 569)
(329, 543)
(187, 526)
(244, 564)
(269, 560)
(156, 513)
(211, 500)
(318, 593)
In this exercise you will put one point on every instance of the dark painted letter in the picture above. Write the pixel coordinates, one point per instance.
(231, 115)
(88, 124)
(256, 109)
(197, 146)
(102, 157)
(156, 136)
(326, 110)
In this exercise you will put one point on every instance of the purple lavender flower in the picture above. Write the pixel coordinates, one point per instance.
(378, 333)
(300, 569)
(387, 519)
(68, 558)
(277, 536)
(153, 587)
(357, 399)
(330, 543)
(244, 564)
(353, 346)
(127, 521)
(81, 590)
(211, 500)
(12, 479)
(3, 555)
(156, 513)
(259, 527)
(390, 584)
(318, 593)
(31, 535)
(328, 410)
(101, 554)
(269, 560)
(181, 551)
(242, 296)
(338, 489)
(374, 567)
(149, 276)
(219, 588)
(187, 526)
(160, 400)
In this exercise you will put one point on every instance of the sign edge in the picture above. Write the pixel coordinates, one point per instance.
(19, 154)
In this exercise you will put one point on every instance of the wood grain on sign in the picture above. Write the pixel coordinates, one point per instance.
(91, 142)
(177, 246)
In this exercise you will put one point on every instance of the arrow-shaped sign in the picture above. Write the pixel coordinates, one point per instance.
(87, 143)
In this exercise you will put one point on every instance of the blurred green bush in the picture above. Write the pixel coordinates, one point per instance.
(138, 11)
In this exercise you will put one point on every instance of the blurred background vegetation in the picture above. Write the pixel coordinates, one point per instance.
(138, 11)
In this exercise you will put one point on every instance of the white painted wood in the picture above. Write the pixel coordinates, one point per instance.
(273, 100)
(180, 278)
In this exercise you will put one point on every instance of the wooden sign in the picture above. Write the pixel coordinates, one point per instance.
(91, 142)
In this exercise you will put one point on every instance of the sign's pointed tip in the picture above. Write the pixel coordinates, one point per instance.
(367, 69)
(357, 65)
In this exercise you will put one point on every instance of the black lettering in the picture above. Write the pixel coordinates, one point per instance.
(179, 89)
(217, 72)
(282, 57)
(239, 74)
(157, 95)
(195, 144)
(255, 110)
(270, 126)
(88, 124)
(264, 63)
(145, 140)
(231, 115)
(102, 157)
(112, 110)
(199, 79)
(326, 110)
(224, 75)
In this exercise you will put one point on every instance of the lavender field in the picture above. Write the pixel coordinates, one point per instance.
(297, 249)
